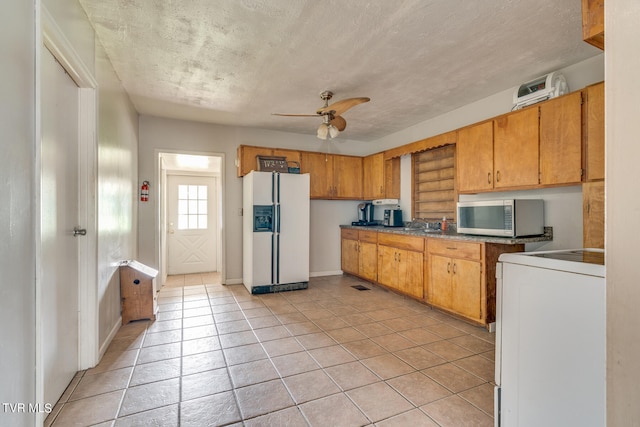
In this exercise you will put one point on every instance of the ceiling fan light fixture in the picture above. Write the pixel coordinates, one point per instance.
(323, 131)
(333, 131)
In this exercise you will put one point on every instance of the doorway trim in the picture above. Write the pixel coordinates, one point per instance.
(161, 196)
(49, 36)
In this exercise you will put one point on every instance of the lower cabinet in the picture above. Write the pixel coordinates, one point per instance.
(456, 276)
(359, 253)
(401, 263)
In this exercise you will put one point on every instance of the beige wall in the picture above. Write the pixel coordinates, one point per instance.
(622, 111)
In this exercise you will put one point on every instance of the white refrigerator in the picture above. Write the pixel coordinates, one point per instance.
(550, 339)
(275, 237)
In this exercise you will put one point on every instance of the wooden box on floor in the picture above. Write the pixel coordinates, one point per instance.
(137, 291)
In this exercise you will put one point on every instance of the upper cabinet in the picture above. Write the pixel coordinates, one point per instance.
(474, 158)
(246, 161)
(499, 154)
(594, 131)
(333, 176)
(515, 149)
(381, 178)
(561, 140)
(593, 22)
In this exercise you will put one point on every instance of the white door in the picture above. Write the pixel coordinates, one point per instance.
(59, 216)
(192, 224)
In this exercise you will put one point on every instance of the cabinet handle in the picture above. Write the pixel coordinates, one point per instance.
(395, 256)
(454, 268)
(448, 267)
(399, 257)
(488, 177)
(498, 176)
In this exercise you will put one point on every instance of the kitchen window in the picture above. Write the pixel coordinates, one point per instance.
(434, 194)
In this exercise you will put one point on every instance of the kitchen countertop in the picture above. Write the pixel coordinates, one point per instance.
(548, 236)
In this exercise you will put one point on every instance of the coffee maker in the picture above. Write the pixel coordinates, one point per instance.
(365, 215)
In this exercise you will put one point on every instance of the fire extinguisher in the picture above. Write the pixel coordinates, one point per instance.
(144, 191)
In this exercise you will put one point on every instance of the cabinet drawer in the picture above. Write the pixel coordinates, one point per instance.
(368, 236)
(348, 233)
(455, 248)
(400, 241)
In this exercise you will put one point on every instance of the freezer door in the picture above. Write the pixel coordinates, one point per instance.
(257, 260)
(293, 228)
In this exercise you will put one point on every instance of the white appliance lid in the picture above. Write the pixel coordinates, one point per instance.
(586, 261)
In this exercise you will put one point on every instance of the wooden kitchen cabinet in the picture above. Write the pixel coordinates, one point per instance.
(401, 263)
(246, 157)
(347, 177)
(474, 158)
(515, 149)
(333, 176)
(319, 166)
(461, 277)
(593, 214)
(373, 171)
(392, 178)
(499, 154)
(561, 140)
(455, 280)
(359, 253)
(380, 177)
(594, 131)
(593, 22)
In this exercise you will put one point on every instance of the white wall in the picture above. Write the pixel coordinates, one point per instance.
(622, 110)
(117, 190)
(17, 218)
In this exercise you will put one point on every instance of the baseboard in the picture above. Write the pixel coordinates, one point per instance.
(233, 282)
(114, 330)
(325, 273)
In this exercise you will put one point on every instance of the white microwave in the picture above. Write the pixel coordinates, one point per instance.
(504, 218)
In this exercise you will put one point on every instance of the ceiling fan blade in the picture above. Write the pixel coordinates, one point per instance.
(339, 123)
(294, 115)
(340, 107)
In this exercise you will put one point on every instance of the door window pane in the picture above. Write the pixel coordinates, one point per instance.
(192, 207)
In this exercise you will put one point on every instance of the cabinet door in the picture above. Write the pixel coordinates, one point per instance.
(593, 214)
(593, 22)
(466, 286)
(595, 131)
(347, 177)
(387, 266)
(247, 161)
(474, 157)
(515, 149)
(561, 140)
(350, 256)
(411, 273)
(439, 288)
(392, 178)
(373, 168)
(320, 167)
(368, 261)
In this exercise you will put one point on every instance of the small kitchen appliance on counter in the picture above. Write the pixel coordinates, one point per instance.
(393, 218)
(365, 215)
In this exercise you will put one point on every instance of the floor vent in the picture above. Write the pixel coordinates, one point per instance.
(360, 288)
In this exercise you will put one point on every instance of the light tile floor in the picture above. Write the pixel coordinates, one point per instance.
(326, 356)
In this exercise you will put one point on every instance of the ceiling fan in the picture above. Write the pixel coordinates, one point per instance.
(332, 121)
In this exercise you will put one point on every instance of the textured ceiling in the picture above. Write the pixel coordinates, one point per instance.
(235, 62)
